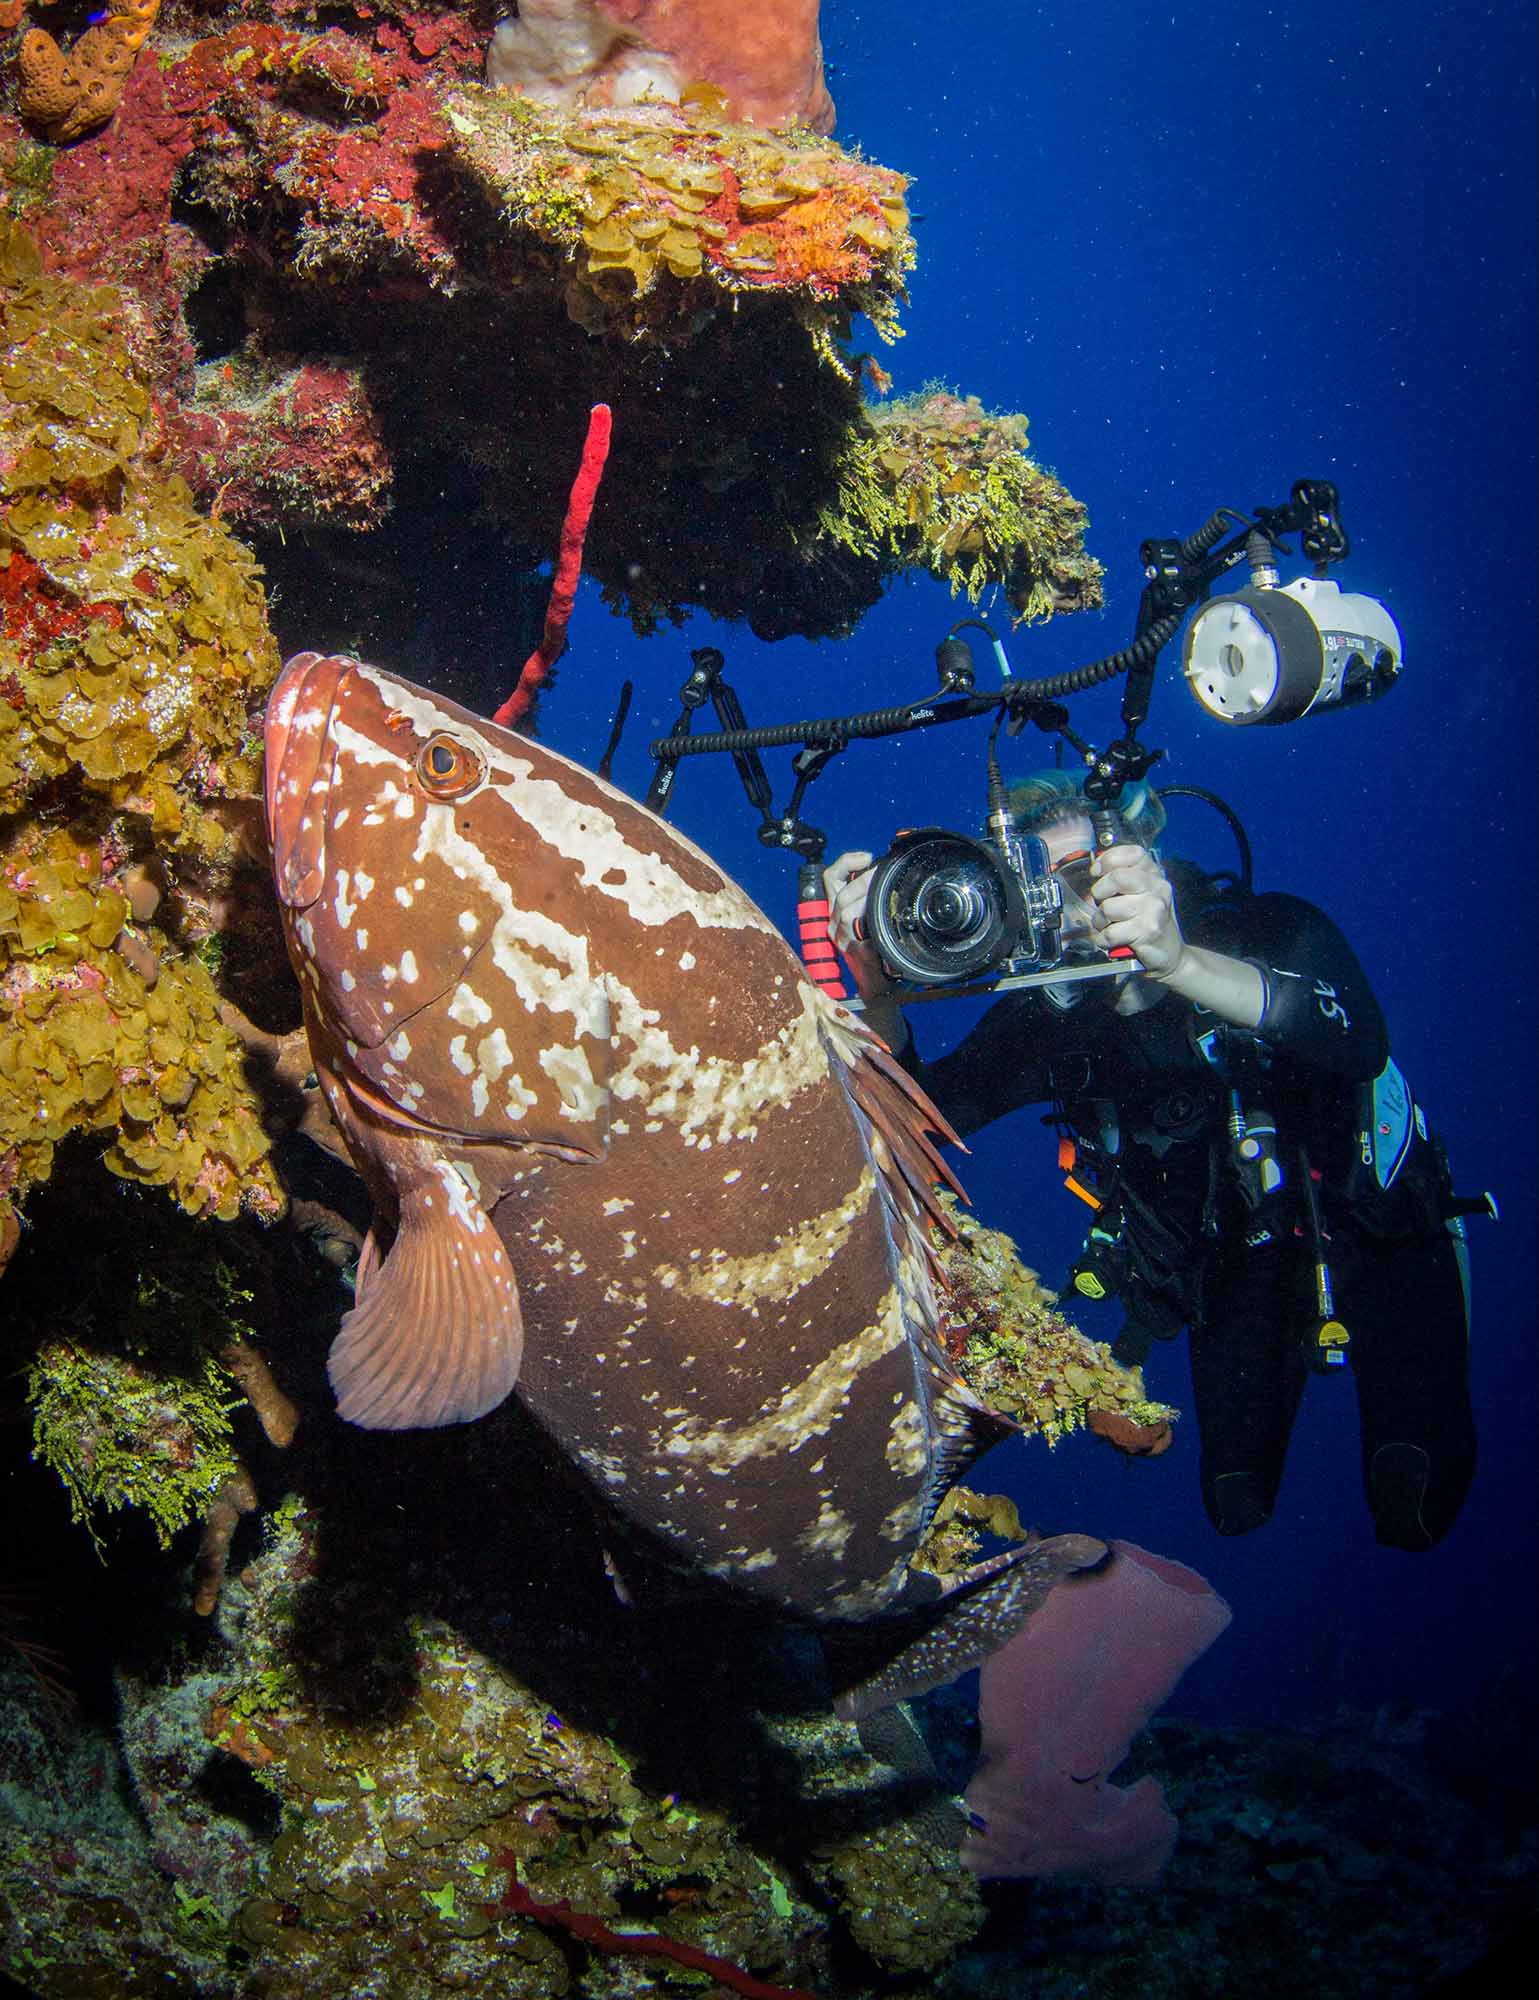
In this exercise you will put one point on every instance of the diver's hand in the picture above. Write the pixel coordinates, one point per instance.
(847, 884)
(1136, 907)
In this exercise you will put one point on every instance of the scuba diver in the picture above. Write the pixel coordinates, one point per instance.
(1259, 1171)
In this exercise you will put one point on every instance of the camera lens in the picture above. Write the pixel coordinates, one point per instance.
(949, 906)
(942, 908)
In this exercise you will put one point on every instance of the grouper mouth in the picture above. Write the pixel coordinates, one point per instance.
(300, 761)
(308, 703)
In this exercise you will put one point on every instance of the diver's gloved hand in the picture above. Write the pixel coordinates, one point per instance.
(1135, 906)
(847, 882)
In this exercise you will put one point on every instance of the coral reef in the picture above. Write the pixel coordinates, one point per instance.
(1331, 1861)
(385, 288)
(1022, 1356)
(455, 1822)
(119, 1433)
(148, 1393)
(133, 648)
(936, 482)
(688, 194)
(762, 56)
(67, 94)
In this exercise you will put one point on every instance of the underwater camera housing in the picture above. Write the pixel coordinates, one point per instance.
(945, 910)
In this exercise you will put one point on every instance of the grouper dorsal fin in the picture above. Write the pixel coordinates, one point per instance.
(902, 1127)
(909, 1124)
(437, 1334)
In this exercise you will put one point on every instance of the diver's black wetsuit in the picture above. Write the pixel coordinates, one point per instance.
(1150, 1112)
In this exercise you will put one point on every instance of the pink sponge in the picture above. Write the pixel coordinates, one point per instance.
(1060, 1703)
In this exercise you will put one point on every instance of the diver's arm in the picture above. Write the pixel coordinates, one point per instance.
(1320, 1009)
(1135, 907)
(1231, 988)
(1298, 983)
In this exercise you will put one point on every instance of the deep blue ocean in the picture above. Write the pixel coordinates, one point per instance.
(1210, 252)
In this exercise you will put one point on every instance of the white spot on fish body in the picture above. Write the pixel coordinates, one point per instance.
(344, 910)
(362, 883)
(399, 1045)
(462, 1205)
(687, 962)
(493, 1054)
(480, 1096)
(459, 1055)
(403, 896)
(346, 980)
(409, 967)
(569, 1069)
(468, 1008)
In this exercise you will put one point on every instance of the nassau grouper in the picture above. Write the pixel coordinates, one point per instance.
(626, 1158)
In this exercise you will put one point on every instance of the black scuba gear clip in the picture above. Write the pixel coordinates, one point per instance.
(1240, 1062)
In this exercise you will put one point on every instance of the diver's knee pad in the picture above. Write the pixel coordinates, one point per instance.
(1237, 1502)
(1398, 1477)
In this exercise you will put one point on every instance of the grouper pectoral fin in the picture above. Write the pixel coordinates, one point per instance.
(437, 1334)
(929, 1646)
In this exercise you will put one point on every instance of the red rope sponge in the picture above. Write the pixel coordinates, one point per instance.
(643, 1944)
(563, 589)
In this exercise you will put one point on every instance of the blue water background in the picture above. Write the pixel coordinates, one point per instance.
(1208, 253)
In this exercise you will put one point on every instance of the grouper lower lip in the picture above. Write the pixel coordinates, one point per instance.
(300, 757)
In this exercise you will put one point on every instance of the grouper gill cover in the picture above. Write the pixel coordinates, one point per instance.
(625, 1158)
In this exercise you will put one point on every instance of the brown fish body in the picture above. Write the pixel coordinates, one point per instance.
(624, 1154)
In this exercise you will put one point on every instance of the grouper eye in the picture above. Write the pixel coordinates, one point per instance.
(447, 769)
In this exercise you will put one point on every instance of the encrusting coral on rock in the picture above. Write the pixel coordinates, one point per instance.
(133, 647)
(762, 56)
(67, 93)
(1019, 1353)
(937, 482)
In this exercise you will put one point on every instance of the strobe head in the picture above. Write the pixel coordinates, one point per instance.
(943, 908)
(1265, 655)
